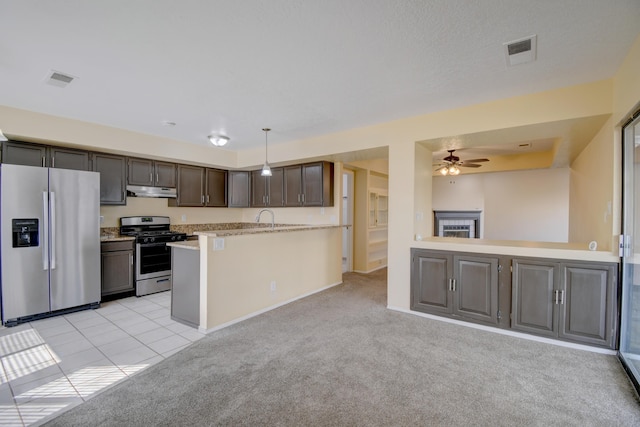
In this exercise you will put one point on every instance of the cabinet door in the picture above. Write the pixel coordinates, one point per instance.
(475, 289)
(276, 187)
(190, 186)
(117, 272)
(239, 189)
(430, 285)
(259, 189)
(586, 304)
(312, 184)
(216, 194)
(140, 172)
(165, 174)
(533, 287)
(19, 153)
(293, 186)
(69, 159)
(317, 184)
(113, 174)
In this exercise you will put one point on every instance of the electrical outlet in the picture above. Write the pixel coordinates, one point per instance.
(273, 286)
(101, 219)
(183, 218)
(218, 244)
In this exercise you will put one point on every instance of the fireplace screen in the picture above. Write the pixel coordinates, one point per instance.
(464, 224)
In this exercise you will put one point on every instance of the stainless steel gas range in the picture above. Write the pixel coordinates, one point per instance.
(153, 256)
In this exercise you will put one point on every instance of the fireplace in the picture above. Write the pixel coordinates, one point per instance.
(465, 224)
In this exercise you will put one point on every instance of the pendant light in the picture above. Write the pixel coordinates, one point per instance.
(2, 137)
(266, 170)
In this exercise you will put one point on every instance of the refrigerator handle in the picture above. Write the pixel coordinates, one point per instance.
(53, 229)
(45, 231)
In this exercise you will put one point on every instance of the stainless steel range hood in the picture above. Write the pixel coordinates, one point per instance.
(161, 192)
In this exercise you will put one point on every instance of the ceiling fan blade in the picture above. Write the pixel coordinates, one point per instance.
(469, 165)
(476, 160)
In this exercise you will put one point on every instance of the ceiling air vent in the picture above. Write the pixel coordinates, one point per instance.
(56, 78)
(521, 51)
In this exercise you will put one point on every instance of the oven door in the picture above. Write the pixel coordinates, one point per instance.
(152, 260)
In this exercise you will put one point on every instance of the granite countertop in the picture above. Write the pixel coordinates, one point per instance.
(115, 238)
(279, 228)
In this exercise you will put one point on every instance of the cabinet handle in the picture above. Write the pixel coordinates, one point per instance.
(207, 198)
(157, 177)
(202, 199)
(555, 296)
(264, 200)
(450, 285)
(302, 197)
(267, 199)
(53, 162)
(131, 259)
(298, 197)
(453, 281)
(561, 297)
(43, 164)
(151, 177)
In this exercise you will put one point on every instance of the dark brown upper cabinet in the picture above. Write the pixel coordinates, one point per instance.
(22, 153)
(113, 178)
(198, 186)
(239, 186)
(267, 190)
(151, 173)
(309, 184)
(191, 182)
(216, 188)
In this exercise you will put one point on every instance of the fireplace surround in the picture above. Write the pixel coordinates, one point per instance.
(465, 224)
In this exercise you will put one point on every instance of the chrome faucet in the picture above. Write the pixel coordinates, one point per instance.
(272, 216)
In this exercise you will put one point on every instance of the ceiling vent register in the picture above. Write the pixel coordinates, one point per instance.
(521, 51)
(59, 79)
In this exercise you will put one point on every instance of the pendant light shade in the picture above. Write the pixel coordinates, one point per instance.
(2, 137)
(266, 170)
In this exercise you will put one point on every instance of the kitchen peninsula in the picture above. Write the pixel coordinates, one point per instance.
(248, 270)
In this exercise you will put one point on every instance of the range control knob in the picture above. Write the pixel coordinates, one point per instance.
(173, 237)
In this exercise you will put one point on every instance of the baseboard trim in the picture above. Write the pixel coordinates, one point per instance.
(370, 271)
(508, 332)
(264, 310)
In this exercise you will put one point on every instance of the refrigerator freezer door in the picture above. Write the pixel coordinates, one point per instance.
(75, 237)
(25, 279)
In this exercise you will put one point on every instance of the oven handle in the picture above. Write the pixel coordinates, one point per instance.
(149, 245)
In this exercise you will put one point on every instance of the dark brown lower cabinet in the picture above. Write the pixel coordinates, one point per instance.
(456, 285)
(116, 267)
(573, 301)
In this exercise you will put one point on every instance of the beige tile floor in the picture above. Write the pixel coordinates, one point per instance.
(51, 365)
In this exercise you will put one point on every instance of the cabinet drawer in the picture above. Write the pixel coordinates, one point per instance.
(125, 245)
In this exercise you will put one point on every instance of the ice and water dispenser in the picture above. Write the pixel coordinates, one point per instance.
(24, 232)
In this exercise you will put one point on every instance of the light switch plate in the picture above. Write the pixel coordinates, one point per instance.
(218, 244)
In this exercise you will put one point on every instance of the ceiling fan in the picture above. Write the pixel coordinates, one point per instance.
(451, 164)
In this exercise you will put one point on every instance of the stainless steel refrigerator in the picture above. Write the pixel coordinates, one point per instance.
(50, 252)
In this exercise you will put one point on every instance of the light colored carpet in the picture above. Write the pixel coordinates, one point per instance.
(341, 358)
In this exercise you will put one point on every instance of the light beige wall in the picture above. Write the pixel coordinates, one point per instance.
(239, 277)
(527, 205)
(149, 206)
(36, 127)
(591, 195)
(423, 192)
(596, 187)
(518, 205)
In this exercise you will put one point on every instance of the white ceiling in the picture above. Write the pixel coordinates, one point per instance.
(303, 68)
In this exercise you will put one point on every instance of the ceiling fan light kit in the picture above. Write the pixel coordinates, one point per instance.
(451, 164)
